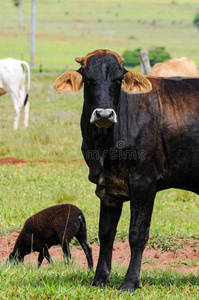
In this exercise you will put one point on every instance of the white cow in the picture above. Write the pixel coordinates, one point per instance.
(12, 81)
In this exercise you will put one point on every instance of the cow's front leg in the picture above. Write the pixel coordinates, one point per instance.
(142, 199)
(109, 217)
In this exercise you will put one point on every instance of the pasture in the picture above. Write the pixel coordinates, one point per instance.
(54, 171)
(66, 29)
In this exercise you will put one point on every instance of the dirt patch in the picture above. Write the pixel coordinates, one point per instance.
(11, 34)
(12, 160)
(185, 260)
(155, 27)
(79, 21)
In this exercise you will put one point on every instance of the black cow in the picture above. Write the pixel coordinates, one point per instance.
(140, 136)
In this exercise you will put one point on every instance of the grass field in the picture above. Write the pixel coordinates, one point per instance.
(55, 171)
(72, 282)
(66, 29)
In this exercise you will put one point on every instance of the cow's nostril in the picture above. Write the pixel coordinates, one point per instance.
(98, 114)
(104, 114)
(111, 114)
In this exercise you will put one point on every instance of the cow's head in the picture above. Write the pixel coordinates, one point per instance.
(103, 76)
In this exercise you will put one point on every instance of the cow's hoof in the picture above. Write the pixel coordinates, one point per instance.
(128, 287)
(100, 282)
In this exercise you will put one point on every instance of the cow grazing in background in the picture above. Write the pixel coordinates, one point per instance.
(140, 136)
(175, 67)
(12, 81)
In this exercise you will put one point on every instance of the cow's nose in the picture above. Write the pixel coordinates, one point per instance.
(103, 117)
(104, 114)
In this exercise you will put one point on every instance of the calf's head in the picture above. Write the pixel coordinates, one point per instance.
(103, 77)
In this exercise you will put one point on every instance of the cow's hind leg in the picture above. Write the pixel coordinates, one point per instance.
(15, 102)
(142, 199)
(26, 114)
(109, 217)
(22, 96)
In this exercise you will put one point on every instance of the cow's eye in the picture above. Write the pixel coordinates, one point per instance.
(118, 80)
(88, 81)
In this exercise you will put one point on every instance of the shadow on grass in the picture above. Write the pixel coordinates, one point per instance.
(168, 280)
(156, 277)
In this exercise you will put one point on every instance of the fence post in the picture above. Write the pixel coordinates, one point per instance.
(144, 62)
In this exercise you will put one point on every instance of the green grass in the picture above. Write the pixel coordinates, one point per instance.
(72, 282)
(66, 29)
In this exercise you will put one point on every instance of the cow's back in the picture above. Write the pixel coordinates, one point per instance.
(11, 74)
(175, 67)
(178, 121)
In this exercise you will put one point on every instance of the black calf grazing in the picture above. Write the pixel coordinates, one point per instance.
(52, 226)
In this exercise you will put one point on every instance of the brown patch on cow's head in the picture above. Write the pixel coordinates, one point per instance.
(83, 60)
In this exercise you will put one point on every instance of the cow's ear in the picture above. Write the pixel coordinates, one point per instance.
(135, 83)
(69, 82)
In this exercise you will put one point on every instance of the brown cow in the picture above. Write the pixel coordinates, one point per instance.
(175, 67)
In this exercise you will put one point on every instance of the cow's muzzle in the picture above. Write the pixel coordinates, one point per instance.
(103, 117)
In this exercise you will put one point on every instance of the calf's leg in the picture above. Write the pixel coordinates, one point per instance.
(16, 257)
(42, 254)
(64, 242)
(87, 250)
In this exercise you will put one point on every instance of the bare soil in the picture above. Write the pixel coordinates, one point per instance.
(12, 160)
(185, 260)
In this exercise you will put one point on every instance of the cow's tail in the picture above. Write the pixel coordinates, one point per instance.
(28, 89)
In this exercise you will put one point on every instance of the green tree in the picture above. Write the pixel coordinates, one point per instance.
(158, 54)
(131, 57)
(16, 2)
(196, 20)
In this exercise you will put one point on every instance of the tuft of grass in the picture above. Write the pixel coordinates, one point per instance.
(166, 243)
